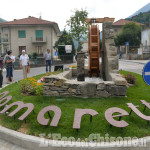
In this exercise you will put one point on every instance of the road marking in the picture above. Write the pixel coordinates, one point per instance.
(147, 73)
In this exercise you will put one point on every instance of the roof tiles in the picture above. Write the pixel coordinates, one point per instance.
(122, 22)
(26, 21)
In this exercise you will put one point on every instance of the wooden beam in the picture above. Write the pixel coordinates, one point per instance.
(99, 20)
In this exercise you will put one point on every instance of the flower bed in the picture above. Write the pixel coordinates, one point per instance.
(30, 86)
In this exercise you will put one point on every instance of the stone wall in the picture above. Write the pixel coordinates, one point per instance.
(62, 85)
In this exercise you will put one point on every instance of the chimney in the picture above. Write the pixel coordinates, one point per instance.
(29, 17)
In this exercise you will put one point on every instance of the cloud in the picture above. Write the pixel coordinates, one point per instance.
(60, 10)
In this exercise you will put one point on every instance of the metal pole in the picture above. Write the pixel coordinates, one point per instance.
(142, 53)
(126, 51)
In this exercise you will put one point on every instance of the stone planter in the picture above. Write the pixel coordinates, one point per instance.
(62, 85)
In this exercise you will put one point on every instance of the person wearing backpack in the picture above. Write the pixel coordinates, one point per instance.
(24, 61)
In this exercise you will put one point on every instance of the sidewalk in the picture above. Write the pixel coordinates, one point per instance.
(135, 61)
(18, 74)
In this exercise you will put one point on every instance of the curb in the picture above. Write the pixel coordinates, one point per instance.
(38, 143)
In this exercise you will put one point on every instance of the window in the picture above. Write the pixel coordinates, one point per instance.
(39, 35)
(6, 48)
(145, 42)
(21, 48)
(116, 30)
(5, 34)
(5, 37)
(40, 50)
(22, 34)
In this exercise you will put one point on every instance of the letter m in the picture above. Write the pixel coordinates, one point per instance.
(20, 105)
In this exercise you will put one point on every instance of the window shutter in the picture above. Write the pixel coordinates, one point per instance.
(21, 34)
(39, 33)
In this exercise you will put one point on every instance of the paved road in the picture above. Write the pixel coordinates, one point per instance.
(18, 74)
(8, 146)
(132, 66)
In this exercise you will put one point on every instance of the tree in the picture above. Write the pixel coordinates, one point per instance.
(65, 39)
(78, 26)
(131, 32)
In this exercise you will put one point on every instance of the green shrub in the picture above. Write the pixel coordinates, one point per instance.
(19, 55)
(131, 78)
(30, 56)
(34, 55)
(39, 89)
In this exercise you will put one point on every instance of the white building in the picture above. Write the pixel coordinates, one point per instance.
(145, 40)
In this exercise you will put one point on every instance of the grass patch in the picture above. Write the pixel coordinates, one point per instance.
(137, 127)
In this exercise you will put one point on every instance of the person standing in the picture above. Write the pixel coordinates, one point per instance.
(24, 61)
(48, 60)
(14, 59)
(9, 67)
(1, 72)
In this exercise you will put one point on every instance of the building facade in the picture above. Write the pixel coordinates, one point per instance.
(117, 26)
(31, 34)
(1, 21)
(85, 46)
(145, 40)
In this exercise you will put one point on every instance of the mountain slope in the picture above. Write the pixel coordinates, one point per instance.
(141, 17)
(146, 8)
(2, 20)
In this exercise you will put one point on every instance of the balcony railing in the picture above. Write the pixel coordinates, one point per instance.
(38, 40)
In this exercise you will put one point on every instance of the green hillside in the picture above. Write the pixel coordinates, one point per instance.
(141, 17)
(2, 20)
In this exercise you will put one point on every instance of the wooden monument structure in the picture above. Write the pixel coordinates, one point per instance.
(94, 44)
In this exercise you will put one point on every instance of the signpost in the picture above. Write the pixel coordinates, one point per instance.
(139, 51)
(127, 48)
(146, 73)
(127, 43)
(68, 48)
(56, 53)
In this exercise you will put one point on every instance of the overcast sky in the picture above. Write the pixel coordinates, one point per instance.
(60, 10)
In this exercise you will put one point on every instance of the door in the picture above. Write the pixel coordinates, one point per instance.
(40, 50)
(21, 48)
